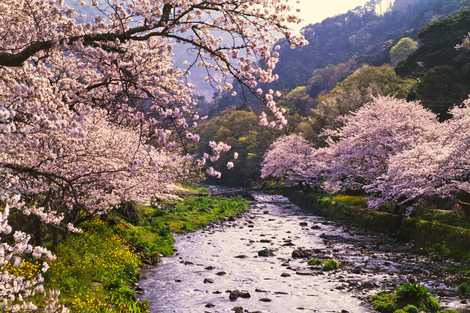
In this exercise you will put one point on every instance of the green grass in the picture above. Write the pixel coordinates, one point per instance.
(451, 218)
(96, 270)
(440, 233)
(192, 189)
(407, 298)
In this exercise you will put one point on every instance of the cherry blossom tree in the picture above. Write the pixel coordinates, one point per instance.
(93, 110)
(285, 158)
(436, 168)
(360, 150)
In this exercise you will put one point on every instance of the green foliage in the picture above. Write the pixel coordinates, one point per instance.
(441, 233)
(241, 130)
(417, 295)
(384, 302)
(314, 262)
(406, 298)
(360, 201)
(326, 264)
(410, 309)
(298, 100)
(360, 32)
(442, 71)
(330, 265)
(96, 270)
(195, 212)
(404, 48)
(464, 289)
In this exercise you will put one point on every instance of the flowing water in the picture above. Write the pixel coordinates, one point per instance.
(212, 264)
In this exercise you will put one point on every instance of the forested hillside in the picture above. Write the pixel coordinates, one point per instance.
(340, 44)
(442, 71)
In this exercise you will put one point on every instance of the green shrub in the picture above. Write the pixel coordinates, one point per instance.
(330, 265)
(410, 309)
(314, 261)
(384, 302)
(409, 298)
(418, 295)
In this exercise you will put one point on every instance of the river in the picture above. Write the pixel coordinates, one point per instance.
(222, 262)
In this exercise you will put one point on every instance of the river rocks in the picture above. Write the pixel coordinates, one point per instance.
(288, 244)
(266, 252)
(305, 273)
(281, 293)
(285, 279)
(235, 294)
(265, 300)
(301, 253)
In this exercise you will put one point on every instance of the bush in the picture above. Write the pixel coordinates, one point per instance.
(330, 265)
(314, 262)
(406, 298)
(326, 264)
(384, 302)
(415, 294)
(410, 309)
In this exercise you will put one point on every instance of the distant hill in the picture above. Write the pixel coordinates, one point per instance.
(360, 34)
(340, 44)
(442, 71)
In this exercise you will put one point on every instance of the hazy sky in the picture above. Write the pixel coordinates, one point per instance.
(317, 10)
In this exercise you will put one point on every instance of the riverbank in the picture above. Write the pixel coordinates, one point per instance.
(97, 271)
(438, 233)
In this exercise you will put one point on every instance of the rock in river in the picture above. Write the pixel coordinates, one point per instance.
(235, 294)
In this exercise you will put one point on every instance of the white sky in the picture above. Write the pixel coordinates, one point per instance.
(313, 11)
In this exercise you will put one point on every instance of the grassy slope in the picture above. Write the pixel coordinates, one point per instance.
(445, 232)
(441, 233)
(96, 271)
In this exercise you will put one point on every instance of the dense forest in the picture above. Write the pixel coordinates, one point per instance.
(340, 44)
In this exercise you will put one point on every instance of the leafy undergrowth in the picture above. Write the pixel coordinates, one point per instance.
(96, 270)
(407, 298)
(327, 265)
